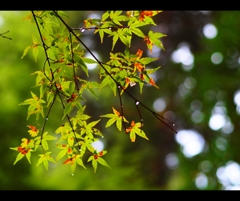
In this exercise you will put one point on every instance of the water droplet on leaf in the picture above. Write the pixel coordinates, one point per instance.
(132, 84)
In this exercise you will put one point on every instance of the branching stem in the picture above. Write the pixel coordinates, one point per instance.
(117, 83)
(57, 90)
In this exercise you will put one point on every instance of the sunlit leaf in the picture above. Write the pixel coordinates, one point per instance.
(151, 71)
(44, 144)
(62, 13)
(124, 38)
(45, 163)
(28, 156)
(80, 162)
(40, 160)
(119, 124)
(35, 53)
(68, 108)
(88, 60)
(19, 157)
(92, 124)
(115, 38)
(104, 82)
(35, 106)
(62, 153)
(25, 51)
(73, 167)
(103, 162)
(48, 137)
(45, 158)
(132, 136)
(105, 16)
(138, 32)
(110, 122)
(94, 164)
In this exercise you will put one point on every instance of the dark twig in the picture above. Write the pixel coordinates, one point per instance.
(2, 35)
(121, 106)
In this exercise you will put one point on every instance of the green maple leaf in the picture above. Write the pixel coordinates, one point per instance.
(88, 128)
(136, 129)
(45, 159)
(97, 158)
(115, 117)
(35, 106)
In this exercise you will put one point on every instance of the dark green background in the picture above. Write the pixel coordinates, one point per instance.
(139, 165)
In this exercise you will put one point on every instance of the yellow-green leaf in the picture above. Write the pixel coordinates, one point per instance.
(105, 16)
(40, 160)
(28, 156)
(19, 157)
(141, 134)
(138, 32)
(110, 122)
(44, 144)
(119, 124)
(94, 164)
(45, 163)
(68, 108)
(61, 154)
(103, 162)
(35, 53)
(132, 136)
(115, 38)
(80, 162)
(25, 51)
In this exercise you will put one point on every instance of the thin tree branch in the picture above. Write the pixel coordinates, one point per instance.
(57, 90)
(2, 35)
(118, 84)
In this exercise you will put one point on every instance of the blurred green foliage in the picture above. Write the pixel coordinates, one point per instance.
(138, 165)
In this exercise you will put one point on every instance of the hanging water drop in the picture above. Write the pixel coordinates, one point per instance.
(132, 84)
(80, 149)
(72, 174)
(118, 86)
(137, 102)
(47, 118)
(109, 28)
(102, 136)
(173, 124)
(82, 30)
